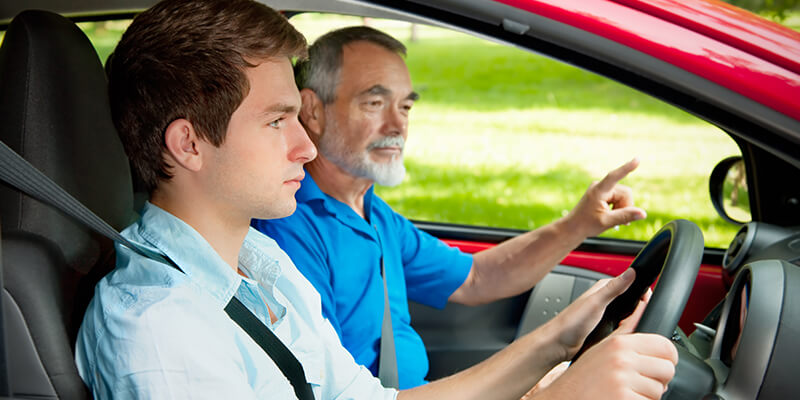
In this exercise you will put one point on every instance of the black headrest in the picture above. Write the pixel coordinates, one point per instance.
(54, 112)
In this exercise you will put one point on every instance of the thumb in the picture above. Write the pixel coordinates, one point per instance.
(616, 287)
(622, 216)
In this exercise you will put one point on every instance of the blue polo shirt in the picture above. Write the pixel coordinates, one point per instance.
(339, 252)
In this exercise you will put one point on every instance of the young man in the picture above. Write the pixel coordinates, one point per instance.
(203, 98)
(357, 95)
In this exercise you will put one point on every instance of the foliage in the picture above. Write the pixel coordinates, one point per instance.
(776, 9)
(104, 35)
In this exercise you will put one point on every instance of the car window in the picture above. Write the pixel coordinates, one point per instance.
(104, 35)
(504, 138)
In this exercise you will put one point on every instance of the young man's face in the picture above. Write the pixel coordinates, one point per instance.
(257, 169)
(367, 124)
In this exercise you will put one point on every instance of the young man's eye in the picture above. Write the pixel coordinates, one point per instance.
(276, 123)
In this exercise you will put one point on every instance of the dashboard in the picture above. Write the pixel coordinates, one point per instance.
(747, 348)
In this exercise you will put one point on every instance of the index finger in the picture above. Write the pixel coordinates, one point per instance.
(613, 177)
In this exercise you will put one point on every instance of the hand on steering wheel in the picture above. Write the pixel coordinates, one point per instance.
(675, 252)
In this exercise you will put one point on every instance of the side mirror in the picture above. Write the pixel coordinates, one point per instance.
(728, 188)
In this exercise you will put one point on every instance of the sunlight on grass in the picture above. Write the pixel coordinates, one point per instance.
(539, 138)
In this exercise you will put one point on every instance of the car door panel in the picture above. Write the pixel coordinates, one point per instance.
(459, 336)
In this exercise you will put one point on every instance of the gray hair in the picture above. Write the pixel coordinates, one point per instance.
(320, 71)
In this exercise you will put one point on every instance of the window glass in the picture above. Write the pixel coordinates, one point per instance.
(792, 20)
(504, 138)
(104, 35)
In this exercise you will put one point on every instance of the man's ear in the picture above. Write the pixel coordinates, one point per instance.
(312, 113)
(183, 144)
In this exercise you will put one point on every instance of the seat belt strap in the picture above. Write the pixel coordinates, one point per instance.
(282, 356)
(387, 363)
(20, 174)
(387, 360)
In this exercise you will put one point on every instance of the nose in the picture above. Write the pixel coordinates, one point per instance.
(301, 148)
(396, 121)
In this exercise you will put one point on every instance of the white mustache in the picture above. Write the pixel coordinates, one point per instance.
(388, 141)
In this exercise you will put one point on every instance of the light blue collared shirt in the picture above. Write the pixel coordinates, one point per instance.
(154, 332)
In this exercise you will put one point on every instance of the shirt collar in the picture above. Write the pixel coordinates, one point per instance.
(310, 191)
(200, 262)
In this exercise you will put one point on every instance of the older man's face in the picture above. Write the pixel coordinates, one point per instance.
(367, 124)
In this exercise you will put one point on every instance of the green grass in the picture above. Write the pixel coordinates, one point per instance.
(505, 138)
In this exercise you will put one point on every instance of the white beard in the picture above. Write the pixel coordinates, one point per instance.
(360, 164)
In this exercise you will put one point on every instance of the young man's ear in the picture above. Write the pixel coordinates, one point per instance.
(312, 113)
(183, 145)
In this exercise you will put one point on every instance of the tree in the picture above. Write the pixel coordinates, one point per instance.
(775, 9)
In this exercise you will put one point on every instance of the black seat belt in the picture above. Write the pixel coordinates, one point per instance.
(20, 174)
(282, 356)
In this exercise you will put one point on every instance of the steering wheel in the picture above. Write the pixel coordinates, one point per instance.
(675, 253)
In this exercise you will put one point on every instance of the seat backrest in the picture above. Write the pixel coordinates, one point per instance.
(54, 112)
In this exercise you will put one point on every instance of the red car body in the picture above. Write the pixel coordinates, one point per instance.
(727, 45)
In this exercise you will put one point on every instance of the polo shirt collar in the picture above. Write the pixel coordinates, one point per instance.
(310, 192)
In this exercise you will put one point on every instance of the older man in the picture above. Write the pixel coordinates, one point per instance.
(356, 97)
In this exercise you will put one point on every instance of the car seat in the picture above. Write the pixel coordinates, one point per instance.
(54, 112)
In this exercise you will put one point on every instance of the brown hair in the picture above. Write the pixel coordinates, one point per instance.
(186, 59)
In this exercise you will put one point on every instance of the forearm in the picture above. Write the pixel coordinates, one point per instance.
(517, 264)
(508, 374)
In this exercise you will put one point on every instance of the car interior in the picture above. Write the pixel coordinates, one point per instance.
(55, 114)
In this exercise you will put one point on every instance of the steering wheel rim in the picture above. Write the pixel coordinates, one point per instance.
(674, 253)
(680, 244)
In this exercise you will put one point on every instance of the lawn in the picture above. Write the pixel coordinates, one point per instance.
(506, 138)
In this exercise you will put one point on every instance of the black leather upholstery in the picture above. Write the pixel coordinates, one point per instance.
(54, 112)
